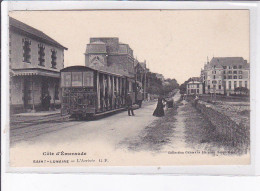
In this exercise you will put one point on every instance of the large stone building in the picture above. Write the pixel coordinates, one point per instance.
(35, 62)
(109, 54)
(222, 75)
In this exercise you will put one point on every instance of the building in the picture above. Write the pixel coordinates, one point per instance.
(222, 75)
(35, 61)
(194, 87)
(111, 55)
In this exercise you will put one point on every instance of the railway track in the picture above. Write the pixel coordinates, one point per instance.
(39, 120)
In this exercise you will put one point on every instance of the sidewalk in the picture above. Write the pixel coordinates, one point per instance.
(40, 113)
(23, 119)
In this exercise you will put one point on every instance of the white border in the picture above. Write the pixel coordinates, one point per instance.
(191, 170)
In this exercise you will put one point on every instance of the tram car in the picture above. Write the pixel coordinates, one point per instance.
(89, 92)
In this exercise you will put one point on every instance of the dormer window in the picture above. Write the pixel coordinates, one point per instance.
(41, 54)
(26, 50)
(54, 58)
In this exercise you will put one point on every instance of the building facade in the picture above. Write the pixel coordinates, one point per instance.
(35, 62)
(194, 87)
(222, 75)
(111, 55)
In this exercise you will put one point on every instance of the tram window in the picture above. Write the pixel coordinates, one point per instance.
(76, 78)
(65, 79)
(88, 79)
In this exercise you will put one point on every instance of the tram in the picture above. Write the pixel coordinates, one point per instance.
(89, 92)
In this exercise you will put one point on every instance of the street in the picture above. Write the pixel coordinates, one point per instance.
(181, 130)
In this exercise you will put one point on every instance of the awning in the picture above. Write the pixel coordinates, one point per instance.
(35, 72)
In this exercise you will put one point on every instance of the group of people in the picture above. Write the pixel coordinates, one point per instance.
(158, 112)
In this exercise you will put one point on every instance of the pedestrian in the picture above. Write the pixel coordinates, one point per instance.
(159, 111)
(48, 101)
(129, 104)
(196, 100)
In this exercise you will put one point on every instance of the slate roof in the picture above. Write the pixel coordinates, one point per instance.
(219, 62)
(33, 32)
(194, 79)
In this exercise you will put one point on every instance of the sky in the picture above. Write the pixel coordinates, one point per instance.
(175, 43)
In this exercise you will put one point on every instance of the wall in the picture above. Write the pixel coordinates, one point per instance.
(16, 54)
(234, 133)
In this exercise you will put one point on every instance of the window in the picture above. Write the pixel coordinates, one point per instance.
(240, 77)
(229, 85)
(235, 77)
(240, 72)
(245, 84)
(229, 77)
(235, 72)
(53, 58)
(224, 72)
(208, 86)
(225, 77)
(225, 67)
(214, 86)
(88, 79)
(235, 67)
(198, 91)
(240, 66)
(219, 81)
(198, 85)
(26, 50)
(41, 54)
(230, 72)
(65, 79)
(219, 87)
(229, 67)
(76, 79)
(214, 77)
(208, 81)
(240, 84)
(235, 84)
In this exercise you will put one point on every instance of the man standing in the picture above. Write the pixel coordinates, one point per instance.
(129, 104)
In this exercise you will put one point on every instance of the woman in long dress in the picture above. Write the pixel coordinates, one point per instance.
(159, 111)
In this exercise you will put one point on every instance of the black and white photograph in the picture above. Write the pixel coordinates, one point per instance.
(129, 88)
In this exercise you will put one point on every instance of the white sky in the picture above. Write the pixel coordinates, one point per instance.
(175, 43)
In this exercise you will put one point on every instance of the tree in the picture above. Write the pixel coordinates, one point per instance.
(156, 86)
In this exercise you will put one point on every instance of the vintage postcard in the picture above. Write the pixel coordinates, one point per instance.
(129, 88)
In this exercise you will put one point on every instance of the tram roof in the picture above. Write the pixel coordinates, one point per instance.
(105, 70)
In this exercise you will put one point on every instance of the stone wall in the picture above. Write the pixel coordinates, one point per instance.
(232, 132)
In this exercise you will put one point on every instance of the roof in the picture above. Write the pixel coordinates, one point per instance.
(34, 32)
(102, 69)
(97, 42)
(219, 62)
(194, 82)
(195, 79)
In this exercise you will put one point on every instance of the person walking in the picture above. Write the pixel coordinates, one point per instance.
(159, 111)
(129, 104)
(196, 100)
